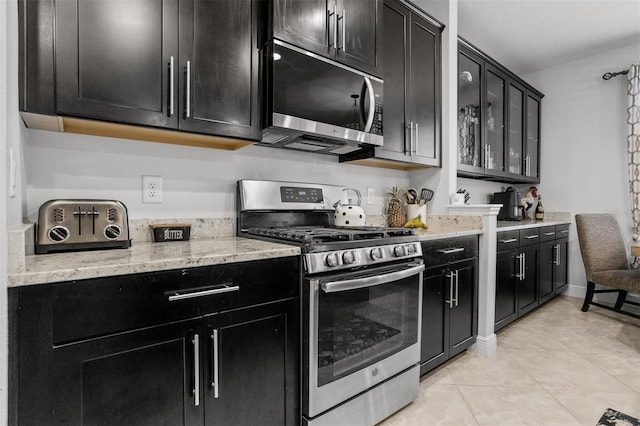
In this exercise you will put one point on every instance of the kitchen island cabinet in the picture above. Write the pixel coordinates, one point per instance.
(350, 31)
(191, 346)
(449, 299)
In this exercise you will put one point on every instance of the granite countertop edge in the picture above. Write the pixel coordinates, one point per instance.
(515, 225)
(144, 257)
(151, 257)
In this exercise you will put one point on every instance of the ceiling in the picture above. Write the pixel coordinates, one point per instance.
(529, 35)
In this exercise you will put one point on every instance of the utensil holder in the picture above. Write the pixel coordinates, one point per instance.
(415, 210)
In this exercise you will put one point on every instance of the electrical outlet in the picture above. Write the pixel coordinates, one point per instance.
(152, 189)
(370, 195)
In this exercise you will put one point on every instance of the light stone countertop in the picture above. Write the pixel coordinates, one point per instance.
(143, 257)
(525, 224)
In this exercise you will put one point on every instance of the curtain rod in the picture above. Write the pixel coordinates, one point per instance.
(609, 75)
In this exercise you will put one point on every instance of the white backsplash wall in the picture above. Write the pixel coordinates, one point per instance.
(197, 182)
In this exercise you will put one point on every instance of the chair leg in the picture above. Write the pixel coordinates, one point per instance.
(622, 295)
(588, 296)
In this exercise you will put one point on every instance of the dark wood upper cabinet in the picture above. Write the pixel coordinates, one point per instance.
(218, 63)
(113, 60)
(167, 64)
(348, 31)
(412, 87)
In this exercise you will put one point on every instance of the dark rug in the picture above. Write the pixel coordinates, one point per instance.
(612, 417)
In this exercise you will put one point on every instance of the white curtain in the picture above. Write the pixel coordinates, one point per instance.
(633, 144)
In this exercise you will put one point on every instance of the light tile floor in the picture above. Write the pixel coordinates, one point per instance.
(555, 366)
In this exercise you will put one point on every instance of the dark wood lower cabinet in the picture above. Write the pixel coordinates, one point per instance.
(529, 273)
(234, 366)
(449, 300)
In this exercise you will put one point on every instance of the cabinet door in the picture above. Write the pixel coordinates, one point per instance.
(515, 136)
(546, 285)
(494, 120)
(113, 60)
(396, 21)
(561, 271)
(506, 288)
(435, 320)
(463, 325)
(251, 366)
(359, 34)
(424, 91)
(309, 24)
(528, 286)
(532, 143)
(219, 68)
(137, 378)
(470, 141)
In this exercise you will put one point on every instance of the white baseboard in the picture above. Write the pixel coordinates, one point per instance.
(485, 345)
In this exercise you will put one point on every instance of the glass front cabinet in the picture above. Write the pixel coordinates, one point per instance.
(498, 121)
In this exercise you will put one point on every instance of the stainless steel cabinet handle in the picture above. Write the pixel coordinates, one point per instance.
(344, 31)
(557, 256)
(196, 369)
(214, 349)
(524, 266)
(410, 127)
(335, 30)
(188, 105)
(531, 237)
(171, 87)
(415, 145)
(370, 281)
(449, 275)
(451, 250)
(510, 240)
(564, 231)
(549, 233)
(329, 15)
(457, 285)
(520, 273)
(225, 288)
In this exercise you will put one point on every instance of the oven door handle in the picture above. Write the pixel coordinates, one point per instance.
(335, 286)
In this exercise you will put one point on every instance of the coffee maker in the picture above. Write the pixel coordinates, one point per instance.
(510, 200)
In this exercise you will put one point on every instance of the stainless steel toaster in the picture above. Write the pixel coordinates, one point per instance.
(68, 225)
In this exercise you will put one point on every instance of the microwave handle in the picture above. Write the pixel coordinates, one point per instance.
(367, 88)
(344, 285)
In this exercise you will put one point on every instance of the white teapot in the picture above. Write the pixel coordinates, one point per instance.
(350, 214)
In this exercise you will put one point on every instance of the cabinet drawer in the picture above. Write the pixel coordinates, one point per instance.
(562, 230)
(548, 233)
(441, 252)
(529, 236)
(508, 240)
(96, 307)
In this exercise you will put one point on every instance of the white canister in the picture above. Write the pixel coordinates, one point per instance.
(415, 210)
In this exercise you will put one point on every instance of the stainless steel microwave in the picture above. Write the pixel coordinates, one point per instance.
(315, 104)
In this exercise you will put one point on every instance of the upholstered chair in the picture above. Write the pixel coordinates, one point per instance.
(605, 262)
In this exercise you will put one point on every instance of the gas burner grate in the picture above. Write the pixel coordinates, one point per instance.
(315, 234)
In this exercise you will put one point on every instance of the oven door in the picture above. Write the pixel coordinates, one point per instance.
(361, 328)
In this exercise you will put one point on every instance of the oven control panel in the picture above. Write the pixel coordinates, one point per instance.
(296, 194)
(356, 257)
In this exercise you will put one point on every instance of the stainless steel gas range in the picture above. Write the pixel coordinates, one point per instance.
(361, 301)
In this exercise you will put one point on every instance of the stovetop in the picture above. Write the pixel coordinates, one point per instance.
(328, 234)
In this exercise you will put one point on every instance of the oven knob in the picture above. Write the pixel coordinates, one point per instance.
(376, 253)
(400, 251)
(58, 234)
(411, 249)
(332, 259)
(111, 232)
(348, 257)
